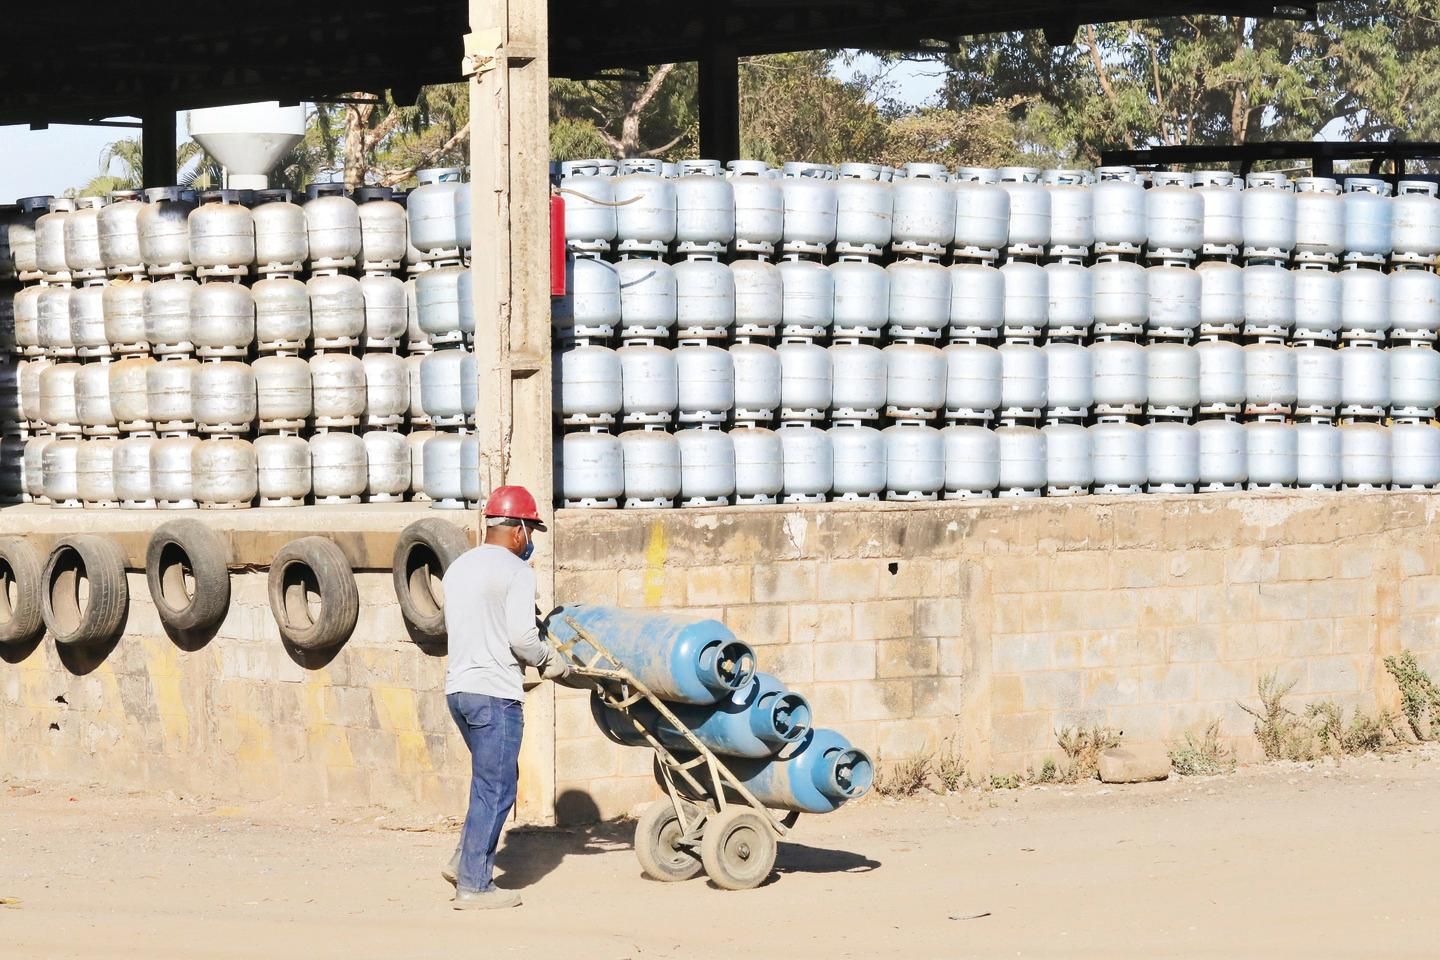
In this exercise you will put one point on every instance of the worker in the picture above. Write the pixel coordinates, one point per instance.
(490, 617)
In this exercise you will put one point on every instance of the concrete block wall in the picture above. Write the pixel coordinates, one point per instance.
(873, 633)
(1158, 622)
(997, 623)
(241, 717)
(990, 623)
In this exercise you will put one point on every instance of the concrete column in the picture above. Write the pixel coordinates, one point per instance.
(508, 63)
(157, 145)
(719, 100)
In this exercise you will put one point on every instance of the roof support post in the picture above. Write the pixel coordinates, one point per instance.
(507, 62)
(157, 145)
(720, 104)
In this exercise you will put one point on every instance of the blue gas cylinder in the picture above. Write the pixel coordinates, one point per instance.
(758, 720)
(824, 772)
(678, 658)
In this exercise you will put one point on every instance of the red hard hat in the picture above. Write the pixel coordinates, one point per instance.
(512, 503)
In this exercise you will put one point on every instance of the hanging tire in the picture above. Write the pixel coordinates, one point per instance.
(738, 848)
(423, 552)
(657, 846)
(313, 596)
(22, 619)
(187, 567)
(85, 595)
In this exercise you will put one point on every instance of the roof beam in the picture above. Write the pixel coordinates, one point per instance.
(285, 51)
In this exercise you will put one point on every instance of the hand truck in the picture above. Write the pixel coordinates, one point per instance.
(709, 820)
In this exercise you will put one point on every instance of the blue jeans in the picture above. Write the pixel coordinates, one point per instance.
(492, 727)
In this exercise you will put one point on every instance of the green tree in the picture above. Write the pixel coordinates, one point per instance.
(986, 135)
(1365, 69)
(367, 139)
(124, 154)
(122, 168)
(623, 114)
(1386, 55)
(792, 108)
(315, 157)
(1187, 80)
(572, 139)
(196, 169)
(434, 131)
(387, 143)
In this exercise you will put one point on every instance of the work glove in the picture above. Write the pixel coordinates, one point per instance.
(556, 668)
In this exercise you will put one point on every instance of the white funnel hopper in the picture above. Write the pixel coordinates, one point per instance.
(248, 139)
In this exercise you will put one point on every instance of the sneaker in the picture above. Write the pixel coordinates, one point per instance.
(492, 899)
(451, 870)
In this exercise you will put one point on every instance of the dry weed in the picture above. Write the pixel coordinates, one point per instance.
(1363, 734)
(907, 777)
(949, 767)
(1419, 696)
(1202, 755)
(1049, 772)
(1082, 749)
(1280, 731)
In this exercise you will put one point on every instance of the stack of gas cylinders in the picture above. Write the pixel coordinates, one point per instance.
(750, 335)
(708, 680)
(236, 348)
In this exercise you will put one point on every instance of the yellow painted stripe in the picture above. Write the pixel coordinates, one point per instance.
(655, 552)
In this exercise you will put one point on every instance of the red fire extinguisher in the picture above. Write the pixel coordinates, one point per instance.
(557, 245)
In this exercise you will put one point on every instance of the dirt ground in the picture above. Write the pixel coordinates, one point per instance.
(1319, 860)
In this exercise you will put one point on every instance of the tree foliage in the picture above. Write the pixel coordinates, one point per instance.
(386, 143)
(626, 115)
(122, 168)
(367, 139)
(791, 108)
(1387, 68)
(1367, 69)
(985, 135)
(1188, 80)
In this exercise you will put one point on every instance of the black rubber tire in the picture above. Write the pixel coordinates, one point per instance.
(187, 567)
(423, 552)
(85, 595)
(655, 834)
(738, 848)
(22, 618)
(313, 595)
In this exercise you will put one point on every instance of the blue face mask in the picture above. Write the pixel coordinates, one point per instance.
(529, 549)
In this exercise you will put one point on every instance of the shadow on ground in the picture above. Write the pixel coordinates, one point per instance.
(528, 854)
(798, 858)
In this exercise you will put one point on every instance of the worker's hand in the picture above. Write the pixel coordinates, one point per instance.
(556, 668)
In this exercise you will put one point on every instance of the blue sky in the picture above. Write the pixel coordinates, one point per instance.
(907, 81)
(48, 161)
(36, 162)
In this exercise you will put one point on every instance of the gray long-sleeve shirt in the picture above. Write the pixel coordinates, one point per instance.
(490, 619)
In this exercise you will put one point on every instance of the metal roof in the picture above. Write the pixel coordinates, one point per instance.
(81, 60)
(660, 32)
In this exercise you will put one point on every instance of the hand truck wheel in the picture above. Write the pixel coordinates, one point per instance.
(657, 843)
(738, 848)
